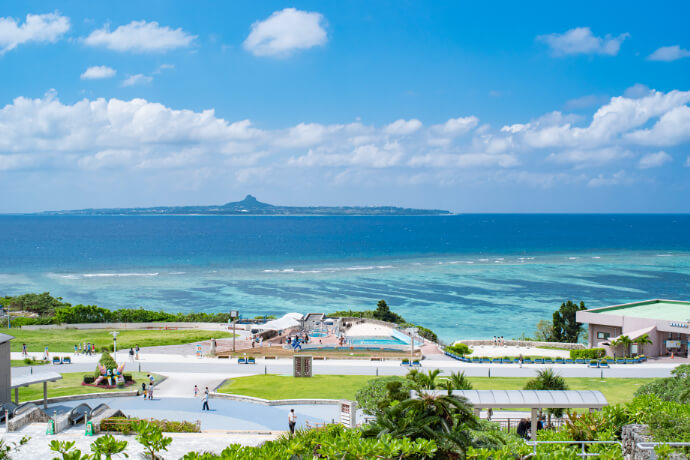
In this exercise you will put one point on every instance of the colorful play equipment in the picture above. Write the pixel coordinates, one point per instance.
(111, 376)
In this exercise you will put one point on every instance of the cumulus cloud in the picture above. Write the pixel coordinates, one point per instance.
(672, 128)
(669, 54)
(654, 160)
(36, 28)
(456, 126)
(286, 31)
(589, 158)
(402, 127)
(138, 79)
(602, 180)
(581, 40)
(140, 37)
(97, 72)
(465, 160)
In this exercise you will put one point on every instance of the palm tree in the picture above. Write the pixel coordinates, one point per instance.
(457, 381)
(443, 418)
(547, 379)
(624, 341)
(642, 341)
(423, 381)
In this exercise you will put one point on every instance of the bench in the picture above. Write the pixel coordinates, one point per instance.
(270, 357)
(66, 360)
(319, 358)
(376, 358)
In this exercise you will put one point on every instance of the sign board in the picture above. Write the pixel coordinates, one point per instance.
(234, 314)
(673, 344)
(348, 413)
(301, 366)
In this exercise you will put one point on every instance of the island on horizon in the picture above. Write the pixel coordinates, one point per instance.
(250, 206)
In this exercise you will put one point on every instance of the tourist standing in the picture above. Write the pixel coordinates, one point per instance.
(24, 352)
(143, 389)
(196, 391)
(76, 349)
(136, 351)
(204, 406)
(522, 359)
(131, 354)
(292, 421)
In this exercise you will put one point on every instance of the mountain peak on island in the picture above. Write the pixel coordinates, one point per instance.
(251, 206)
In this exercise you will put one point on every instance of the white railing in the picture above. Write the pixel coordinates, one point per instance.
(583, 444)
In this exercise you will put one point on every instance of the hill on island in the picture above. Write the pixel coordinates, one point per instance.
(251, 206)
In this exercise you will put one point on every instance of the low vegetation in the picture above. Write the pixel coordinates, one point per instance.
(63, 340)
(126, 425)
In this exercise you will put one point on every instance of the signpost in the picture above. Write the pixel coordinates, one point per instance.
(234, 315)
(301, 366)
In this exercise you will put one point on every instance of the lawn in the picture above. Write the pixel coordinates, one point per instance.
(71, 385)
(345, 386)
(20, 362)
(284, 387)
(63, 340)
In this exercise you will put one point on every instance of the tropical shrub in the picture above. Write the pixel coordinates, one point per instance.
(672, 388)
(379, 393)
(588, 353)
(151, 438)
(128, 425)
(459, 349)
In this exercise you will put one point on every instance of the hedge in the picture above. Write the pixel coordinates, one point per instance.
(588, 353)
(126, 425)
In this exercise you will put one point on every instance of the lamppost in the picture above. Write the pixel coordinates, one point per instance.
(114, 333)
(234, 315)
(413, 331)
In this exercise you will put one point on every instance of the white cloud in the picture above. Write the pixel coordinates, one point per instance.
(585, 102)
(456, 126)
(286, 31)
(603, 180)
(371, 156)
(637, 91)
(97, 72)
(589, 158)
(669, 54)
(672, 128)
(138, 79)
(36, 28)
(687, 162)
(402, 127)
(580, 40)
(465, 160)
(140, 37)
(654, 160)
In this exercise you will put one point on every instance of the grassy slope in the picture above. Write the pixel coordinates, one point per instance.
(345, 386)
(61, 341)
(71, 385)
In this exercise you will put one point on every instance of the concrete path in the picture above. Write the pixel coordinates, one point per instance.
(181, 384)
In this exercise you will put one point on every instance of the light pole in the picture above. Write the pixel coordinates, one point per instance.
(114, 333)
(234, 315)
(412, 331)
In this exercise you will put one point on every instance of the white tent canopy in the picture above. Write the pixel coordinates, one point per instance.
(287, 321)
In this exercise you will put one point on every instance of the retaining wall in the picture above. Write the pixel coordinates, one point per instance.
(525, 343)
(33, 415)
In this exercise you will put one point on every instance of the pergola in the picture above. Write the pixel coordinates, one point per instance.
(32, 379)
(532, 399)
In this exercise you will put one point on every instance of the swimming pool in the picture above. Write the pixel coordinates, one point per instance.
(318, 334)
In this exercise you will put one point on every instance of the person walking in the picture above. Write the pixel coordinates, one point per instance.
(150, 391)
(76, 349)
(136, 351)
(143, 389)
(196, 391)
(24, 352)
(522, 359)
(131, 354)
(204, 406)
(292, 421)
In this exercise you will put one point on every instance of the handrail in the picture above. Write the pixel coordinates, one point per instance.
(651, 446)
(582, 454)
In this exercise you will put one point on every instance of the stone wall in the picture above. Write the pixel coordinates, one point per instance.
(633, 434)
(33, 415)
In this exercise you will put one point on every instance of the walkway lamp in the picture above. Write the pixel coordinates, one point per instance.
(412, 331)
(114, 333)
(234, 316)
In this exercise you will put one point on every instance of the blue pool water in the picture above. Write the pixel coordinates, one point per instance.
(469, 276)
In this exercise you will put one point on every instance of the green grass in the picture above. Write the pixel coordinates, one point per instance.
(284, 387)
(20, 362)
(63, 340)
(345, 386)
(71, 385)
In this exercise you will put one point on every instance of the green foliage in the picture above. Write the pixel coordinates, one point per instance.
(446, 420)
(547, 379)
(6, 448)
(423, 331)
(129, 425)
(43, 304)
(332, 441)
(106, 361)
(544, 331)
(379, 393)
(422, 381)
(674, 388)
(588, 353)
(105, 447)
(66, 450)
(565, 326)
(384, 313)
(459, 349)
(151, 438)
(457, 381)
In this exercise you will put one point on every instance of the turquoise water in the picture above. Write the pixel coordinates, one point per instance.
(462, 276)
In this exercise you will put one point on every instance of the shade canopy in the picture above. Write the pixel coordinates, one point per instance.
(31, 379)
(537, 399)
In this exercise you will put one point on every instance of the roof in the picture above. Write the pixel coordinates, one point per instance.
(30, 379)
(5, 338)
(538, 399)
(287, 321)
(632, 335)
(671, 310)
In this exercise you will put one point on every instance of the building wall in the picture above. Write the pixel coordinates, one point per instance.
(5, 372)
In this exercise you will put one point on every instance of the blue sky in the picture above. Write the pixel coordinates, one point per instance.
(489, 107)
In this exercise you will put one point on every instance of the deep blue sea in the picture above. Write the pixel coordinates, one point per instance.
(464, 276)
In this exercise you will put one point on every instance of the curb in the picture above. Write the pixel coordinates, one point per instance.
(275, 402)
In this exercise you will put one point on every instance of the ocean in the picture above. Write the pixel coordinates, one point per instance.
(463, 276)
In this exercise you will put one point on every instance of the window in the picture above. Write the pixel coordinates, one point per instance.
(603, 335)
